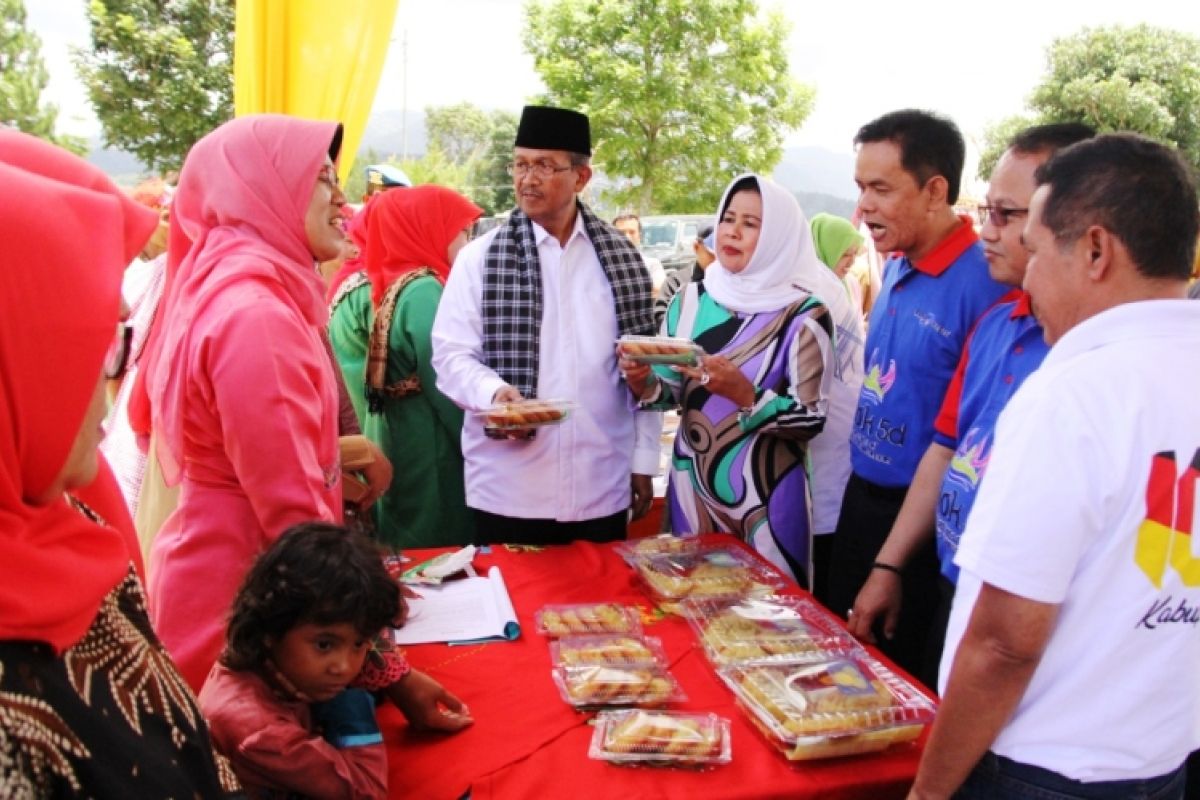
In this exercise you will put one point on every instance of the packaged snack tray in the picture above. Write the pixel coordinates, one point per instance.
(661, 350)
(660, 738)
(603, 649)
(583, 618)
(523, 414)
(661, 545)
(760, 630)
(708, 572)
(616, 685)
(842, 706)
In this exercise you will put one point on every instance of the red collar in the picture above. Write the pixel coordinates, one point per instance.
(1023, 307)
(948, 250)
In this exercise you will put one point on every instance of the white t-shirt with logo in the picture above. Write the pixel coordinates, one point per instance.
(1083, 490)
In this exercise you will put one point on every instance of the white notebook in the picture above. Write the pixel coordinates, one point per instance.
(461, 611)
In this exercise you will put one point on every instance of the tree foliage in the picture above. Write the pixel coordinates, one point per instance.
(159, 74)
(682, 94)
(460, 131)
(466, 135)
(23, 78)
(1142, 79)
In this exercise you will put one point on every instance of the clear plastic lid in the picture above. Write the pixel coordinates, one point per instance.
(522, 414)
(664, 544)
(708, 572)
(616, 685)
(762, 630)
(583, 618)
(661, 350)
(637, 736)
(573, 651)
(803, 708)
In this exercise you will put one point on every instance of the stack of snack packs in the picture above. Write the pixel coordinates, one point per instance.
(660, 738)
(611, 670)
(706, 572)
(841, 705)
(661, 350)
(765, 630)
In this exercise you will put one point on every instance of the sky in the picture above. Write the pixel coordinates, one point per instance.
(975, 62)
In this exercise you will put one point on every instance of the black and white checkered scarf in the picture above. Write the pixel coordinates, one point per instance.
(512, 295)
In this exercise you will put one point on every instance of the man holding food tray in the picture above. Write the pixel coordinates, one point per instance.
(529, 312)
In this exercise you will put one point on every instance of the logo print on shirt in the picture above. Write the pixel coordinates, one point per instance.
(1165, 536)
(969, 461)
(877, 383)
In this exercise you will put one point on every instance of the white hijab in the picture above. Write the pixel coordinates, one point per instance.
(783, 265)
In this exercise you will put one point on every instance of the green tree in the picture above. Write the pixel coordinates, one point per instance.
(460, 131)
(23, 78)
(1142, 79)
(465, 135)
(682, 94)
(159, 74)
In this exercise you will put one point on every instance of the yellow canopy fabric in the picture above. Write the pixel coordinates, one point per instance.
(312, 59)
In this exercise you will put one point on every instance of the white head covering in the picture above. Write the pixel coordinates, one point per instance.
(782, 260)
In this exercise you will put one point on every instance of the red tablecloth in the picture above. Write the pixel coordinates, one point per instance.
(527, 743)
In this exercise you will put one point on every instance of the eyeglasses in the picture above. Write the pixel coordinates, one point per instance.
(117, 357)
(999, 215)
(328, 175)
(540, 169)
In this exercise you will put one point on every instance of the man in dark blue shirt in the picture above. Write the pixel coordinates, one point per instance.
(935, 286)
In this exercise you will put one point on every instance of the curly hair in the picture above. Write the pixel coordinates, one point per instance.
(315, 573)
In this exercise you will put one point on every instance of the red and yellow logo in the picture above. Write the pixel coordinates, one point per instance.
(1165, 536)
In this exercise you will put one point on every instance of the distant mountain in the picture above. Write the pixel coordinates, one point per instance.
(395, 133)
(816, 170)
(813, 203)
(119, 165)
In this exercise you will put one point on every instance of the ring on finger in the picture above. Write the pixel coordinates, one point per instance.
(705, 377)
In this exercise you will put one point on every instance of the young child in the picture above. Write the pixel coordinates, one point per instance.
(280, 702)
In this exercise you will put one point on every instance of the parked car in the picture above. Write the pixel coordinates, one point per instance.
(669, 237)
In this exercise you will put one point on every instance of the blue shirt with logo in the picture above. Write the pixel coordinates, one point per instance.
(1005, 348)
(917, 330)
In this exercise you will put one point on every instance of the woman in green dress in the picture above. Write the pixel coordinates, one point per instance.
(380, 322)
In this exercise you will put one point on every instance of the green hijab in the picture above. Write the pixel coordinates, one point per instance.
(832, 237)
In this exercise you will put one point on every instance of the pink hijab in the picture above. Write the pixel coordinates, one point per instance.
(238, 215)
(68, 233)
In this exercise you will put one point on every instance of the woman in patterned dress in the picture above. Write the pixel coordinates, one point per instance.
(90, 702)
(751, 405)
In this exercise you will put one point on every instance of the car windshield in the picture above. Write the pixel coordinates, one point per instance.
(659, 234)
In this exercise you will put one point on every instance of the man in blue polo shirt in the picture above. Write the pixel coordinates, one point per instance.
(936, 285)
(1005, 347)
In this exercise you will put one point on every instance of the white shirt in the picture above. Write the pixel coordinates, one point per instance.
(577, 470)
(1062, 519)
(829, 451)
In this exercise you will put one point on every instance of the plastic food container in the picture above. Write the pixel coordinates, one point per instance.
(764, 630)
(708, 572)
(523, 414)
(660, 738)
(573, 651)
(584, 618)
(597, 685)
(662, 545)
(841, 706)
(661, 350)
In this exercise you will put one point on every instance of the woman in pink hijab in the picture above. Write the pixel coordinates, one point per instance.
(242, 390)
